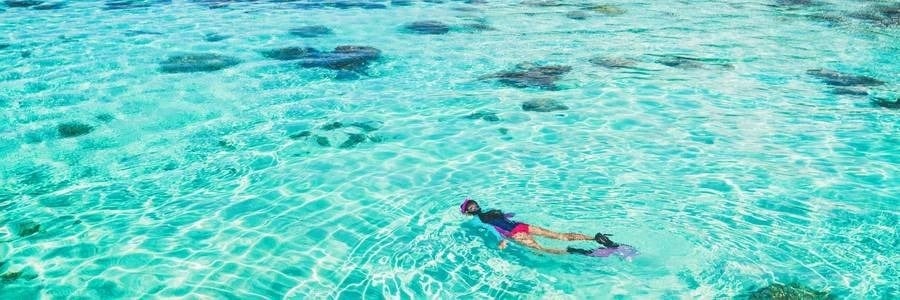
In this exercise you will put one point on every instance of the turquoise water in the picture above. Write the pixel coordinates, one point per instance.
(730, 171)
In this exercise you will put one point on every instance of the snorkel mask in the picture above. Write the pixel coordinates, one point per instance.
(465, 205)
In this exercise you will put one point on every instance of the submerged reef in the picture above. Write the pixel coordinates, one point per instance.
(345, 57)
(688, 63)
(353, 133)
(215, 37)
(27, 228)
(73, 129)
(197, 62)
(129, 4)
(543, 105)
(525, 76)
(845, 83)
(344, 4)
(22, 3)
(793, 291)
(835, 78)
(427, 27)
(311, 31)
(892, 104)
(884, 15)
(613, 62)
(484, 115)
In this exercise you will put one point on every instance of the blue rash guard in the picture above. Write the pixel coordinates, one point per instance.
(503, 223)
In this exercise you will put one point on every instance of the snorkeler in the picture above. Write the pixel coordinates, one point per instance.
(522, 233)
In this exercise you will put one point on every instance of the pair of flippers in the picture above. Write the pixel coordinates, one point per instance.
(600, 238)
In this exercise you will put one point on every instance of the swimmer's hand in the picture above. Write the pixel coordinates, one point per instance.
(502, 244)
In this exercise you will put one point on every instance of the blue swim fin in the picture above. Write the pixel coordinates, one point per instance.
(602, 239)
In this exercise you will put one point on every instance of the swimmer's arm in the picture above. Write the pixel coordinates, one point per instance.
(502, 244)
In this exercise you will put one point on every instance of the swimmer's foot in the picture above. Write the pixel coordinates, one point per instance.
(571, 250)
(605, 241)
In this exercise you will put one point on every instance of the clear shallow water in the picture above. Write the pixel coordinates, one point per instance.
(729, 175)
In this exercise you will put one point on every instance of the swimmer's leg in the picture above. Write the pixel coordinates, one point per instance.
(525, 239)
(559, 236)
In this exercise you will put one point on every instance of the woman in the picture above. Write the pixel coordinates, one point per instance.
(522, 233)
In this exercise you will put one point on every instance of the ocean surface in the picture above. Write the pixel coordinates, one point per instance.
(241, 150)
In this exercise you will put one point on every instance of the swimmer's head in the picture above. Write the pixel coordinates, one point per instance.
(469, 207)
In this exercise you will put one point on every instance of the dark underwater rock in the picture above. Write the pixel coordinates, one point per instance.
(141, 32)
(543, 105)
(358, 4)
(10, 277)
(577, 15)
(128, 4)
(227, 145)
(197, 62)
(323, 141)
(544, 77)
(793, 2)
(300, 135)
(332, 126)
(353, 139)
(680, 62)
(105, 117)
(368, 126)
(345, 4)
(826, 19)
(890, 14)
(427, 27)
(793, 291)
(613, 62)
(342, 58)
(73, 129)
(852, 91)
(289, 53)
(27, 228)
(607, 9)
(215, 37)
(213, 4)
(687, 63)
(466, 9)
(887, 15)
(892, 104)
(834, 78)
(22, 3)
(484, 115)
(543, 3)
(476, 27)
(311, 31)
